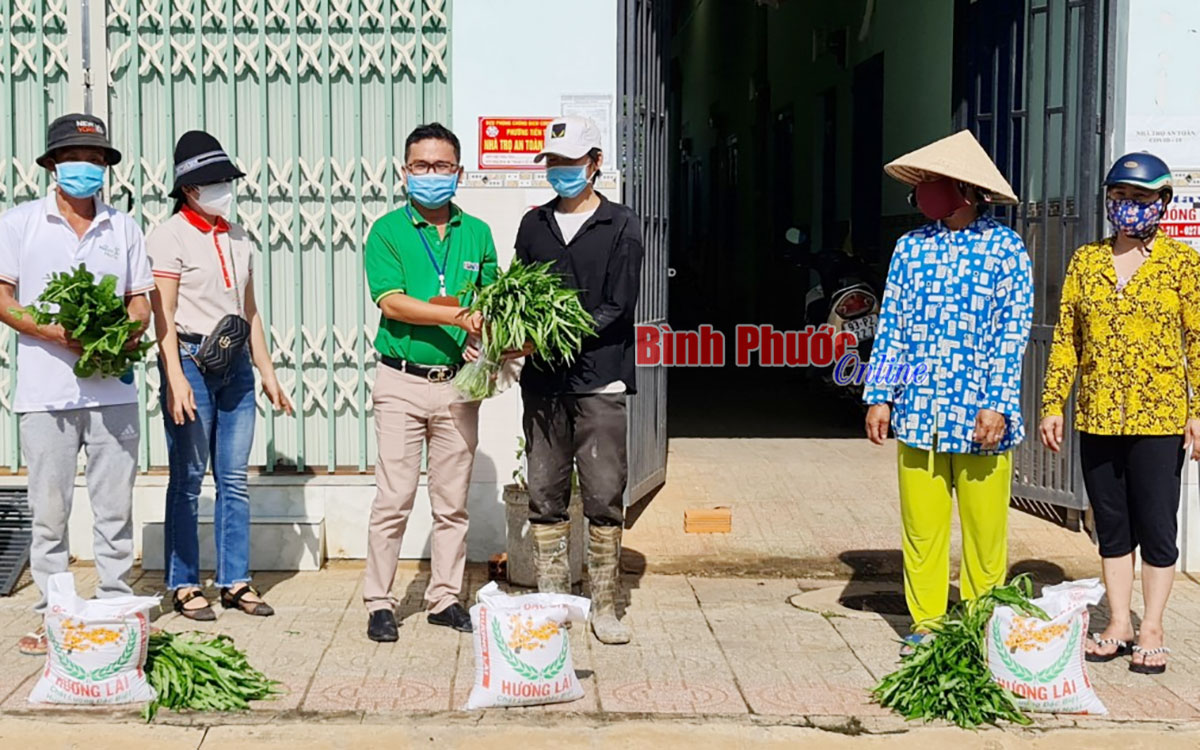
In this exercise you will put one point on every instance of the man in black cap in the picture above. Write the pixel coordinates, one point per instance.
(60, 413)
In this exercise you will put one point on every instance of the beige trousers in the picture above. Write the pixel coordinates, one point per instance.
(410, 411)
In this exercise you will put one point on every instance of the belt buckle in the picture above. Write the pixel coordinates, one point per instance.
(438, 374)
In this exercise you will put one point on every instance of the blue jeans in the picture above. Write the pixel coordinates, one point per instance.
(222, 432)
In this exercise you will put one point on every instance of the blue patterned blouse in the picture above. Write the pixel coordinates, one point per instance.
(962, 303)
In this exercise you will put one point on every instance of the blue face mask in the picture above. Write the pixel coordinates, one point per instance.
(79, 179)
(432, 190)
(568, 181)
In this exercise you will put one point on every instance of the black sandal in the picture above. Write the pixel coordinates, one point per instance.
(234, 601)
(1145, 668)
(1123, 649)
(200, 614)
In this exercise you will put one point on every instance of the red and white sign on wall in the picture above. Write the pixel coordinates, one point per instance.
(1183, 217)
(510, 142)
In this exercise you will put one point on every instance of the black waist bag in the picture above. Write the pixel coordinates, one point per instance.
(221, 348)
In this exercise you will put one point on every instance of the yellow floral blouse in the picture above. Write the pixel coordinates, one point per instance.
(1129, 346)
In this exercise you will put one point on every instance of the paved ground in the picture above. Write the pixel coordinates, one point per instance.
(716, 655)
(571, 733)
(809, 508)
(704, 646)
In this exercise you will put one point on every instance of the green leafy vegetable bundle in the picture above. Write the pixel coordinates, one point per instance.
(947, 677)
(527, 303)
(95, 316)
(190, 671)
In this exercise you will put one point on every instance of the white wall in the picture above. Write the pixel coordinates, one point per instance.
(518, 58)
(1157, 102)
(1157, 90)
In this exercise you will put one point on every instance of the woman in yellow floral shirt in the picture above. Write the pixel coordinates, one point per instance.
(1129, 323)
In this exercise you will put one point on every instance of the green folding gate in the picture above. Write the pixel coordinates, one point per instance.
(34, 86)
(314, 99)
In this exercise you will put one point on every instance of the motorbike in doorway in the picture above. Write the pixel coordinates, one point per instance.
(842, 292)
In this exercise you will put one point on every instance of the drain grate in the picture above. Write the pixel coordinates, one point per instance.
(879, 602)
(16, 530)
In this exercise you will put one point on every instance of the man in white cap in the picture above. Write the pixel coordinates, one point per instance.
(959, 299)
(575, 414)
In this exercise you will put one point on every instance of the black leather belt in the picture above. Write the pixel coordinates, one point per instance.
(434, 374)
(190, 338)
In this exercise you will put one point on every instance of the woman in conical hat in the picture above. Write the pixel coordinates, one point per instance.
(1129, 325)
(957, 309)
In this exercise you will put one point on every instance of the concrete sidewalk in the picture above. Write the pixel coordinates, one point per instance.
(808, 508)
(573, 732)
(704, 647)
(719, 645)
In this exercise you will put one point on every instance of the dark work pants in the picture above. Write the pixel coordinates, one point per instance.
(587, 430)
(1132, 483)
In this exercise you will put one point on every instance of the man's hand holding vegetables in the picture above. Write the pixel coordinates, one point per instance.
(19, 318)
(60, 255)
(472, 351)
(139, 311)
(15, 316)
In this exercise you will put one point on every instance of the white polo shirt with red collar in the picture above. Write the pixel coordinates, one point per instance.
(36, 241)
(212, 264)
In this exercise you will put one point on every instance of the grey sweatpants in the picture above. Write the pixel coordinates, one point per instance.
(51, 442)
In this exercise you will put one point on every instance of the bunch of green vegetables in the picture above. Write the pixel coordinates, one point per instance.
(526, 303)
(93, 315)
(947, 677)
(190, 671)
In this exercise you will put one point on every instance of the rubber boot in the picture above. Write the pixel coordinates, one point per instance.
(550, 557)
(604, 558)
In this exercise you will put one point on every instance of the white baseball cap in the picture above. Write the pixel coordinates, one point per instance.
(570, 138)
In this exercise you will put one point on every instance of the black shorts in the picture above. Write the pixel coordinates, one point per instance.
(1132, 484)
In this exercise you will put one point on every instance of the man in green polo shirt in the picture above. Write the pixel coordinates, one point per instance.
(420, 259)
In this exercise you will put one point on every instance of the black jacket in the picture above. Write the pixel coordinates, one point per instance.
(604, 262)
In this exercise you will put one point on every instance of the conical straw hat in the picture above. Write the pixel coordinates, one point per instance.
(959, 156)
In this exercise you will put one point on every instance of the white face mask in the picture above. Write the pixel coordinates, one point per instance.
(215, 199)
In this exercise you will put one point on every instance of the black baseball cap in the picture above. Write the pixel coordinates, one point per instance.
(78, 130)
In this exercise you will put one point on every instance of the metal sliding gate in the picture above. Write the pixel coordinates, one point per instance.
(313, 98)
(34, 83)
(643, 48)
(1034, 99)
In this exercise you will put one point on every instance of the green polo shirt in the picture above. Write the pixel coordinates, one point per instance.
(397, 263)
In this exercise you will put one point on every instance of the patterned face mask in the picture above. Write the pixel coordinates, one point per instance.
(1132, 218)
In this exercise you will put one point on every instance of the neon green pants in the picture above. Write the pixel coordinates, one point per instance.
(983, 485)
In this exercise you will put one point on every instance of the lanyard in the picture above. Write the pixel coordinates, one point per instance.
(441, 270)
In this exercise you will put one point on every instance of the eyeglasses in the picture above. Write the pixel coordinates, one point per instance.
(424, 167)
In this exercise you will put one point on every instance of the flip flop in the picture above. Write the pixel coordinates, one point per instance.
(34, 644)
(1144, 668)
(1123, 649)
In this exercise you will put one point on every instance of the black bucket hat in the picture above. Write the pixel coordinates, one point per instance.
(200, 160)
(78, 130)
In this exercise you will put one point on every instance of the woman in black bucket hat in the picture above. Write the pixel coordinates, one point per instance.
(210, 339)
